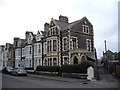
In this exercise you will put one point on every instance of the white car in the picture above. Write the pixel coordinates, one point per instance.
(19, 71)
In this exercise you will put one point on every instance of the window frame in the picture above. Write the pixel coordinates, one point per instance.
(64, 63)
(85, 29)
(65, 43)
(89, 44)
(75, 43)
(54, 45)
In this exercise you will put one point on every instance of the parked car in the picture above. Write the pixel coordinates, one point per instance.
(19, 71)
(7, 70)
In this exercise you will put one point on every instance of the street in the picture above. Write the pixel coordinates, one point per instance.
(35, 81)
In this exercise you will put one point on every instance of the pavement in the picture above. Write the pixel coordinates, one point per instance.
(105, 77)
(60, 78)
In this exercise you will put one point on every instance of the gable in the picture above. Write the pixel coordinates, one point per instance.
(78, 25)
(52, 23)
(38, 33)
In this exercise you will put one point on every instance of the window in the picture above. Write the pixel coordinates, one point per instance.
(51, 31)
(54, 61)
(45, 62)
(30, 63)
(50, 46)
(30, 50)
(65, 60)
(88, 44)
(39, 61)
(39, 49)
(35, 49)
(50, 61)
(85, 29)
(23, 51)
(74, 43)
(45, 48)
(19, 53)
(65, 43)
(54, 45)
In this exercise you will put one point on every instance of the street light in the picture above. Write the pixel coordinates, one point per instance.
(97, 71)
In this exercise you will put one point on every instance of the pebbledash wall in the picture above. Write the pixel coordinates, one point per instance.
(60, 43)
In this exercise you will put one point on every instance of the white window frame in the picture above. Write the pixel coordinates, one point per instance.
(39, 48)
(53, 61)
(63, 44)
(64, 60)
(76, 42)
(84, 29)
(53, 45)
(87, 44)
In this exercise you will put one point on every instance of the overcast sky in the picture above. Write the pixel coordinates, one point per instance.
(18, 16)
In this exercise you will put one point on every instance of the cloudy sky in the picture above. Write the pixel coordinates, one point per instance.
(18, 16)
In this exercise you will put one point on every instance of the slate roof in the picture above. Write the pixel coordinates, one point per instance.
(64, 25)
(23, 42)
(91, 55)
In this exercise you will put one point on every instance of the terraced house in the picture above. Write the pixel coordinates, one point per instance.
(59, 43)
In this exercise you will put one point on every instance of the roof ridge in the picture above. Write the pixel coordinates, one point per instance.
(61, 21)
(75, 22)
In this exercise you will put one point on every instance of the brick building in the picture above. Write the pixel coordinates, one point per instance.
(59, 43)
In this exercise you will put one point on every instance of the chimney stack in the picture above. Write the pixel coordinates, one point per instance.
(63, 19)
(46, 27)
(16, 39)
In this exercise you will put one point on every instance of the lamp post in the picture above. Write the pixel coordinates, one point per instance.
(97, 69)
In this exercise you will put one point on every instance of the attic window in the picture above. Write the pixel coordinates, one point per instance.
(85, 29)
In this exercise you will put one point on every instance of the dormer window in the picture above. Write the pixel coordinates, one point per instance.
(85, 29)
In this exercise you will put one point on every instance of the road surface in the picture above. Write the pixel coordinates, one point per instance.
(9, 81)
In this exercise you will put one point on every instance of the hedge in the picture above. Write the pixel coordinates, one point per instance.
(76, 68)
(48, 68)
(29, 68)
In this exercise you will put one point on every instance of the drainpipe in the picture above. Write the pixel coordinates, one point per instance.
(61, 48)
(33, 54)
(42, 50)
(20, 55)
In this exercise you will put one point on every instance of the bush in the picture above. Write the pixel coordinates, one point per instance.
(29, 68)
(77, 68)
(48, 68)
